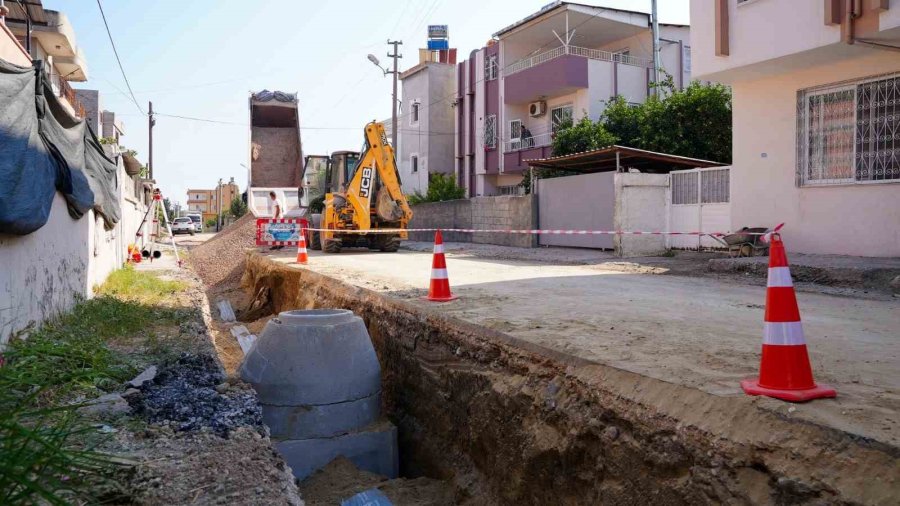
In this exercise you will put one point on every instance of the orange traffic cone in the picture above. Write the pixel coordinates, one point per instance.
(302, 257)
(439, 291)
(784, 371)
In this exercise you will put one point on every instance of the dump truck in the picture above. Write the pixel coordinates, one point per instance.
(354, 195)
(275, 155)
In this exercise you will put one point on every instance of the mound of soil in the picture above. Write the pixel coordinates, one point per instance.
(221, 259)
(191, 393)
(340, 480)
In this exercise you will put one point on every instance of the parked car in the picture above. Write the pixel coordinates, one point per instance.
(183, 225)
(198, 222)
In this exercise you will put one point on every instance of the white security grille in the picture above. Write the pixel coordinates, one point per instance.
(559, 115)
(715, 186)
(849, 133)
(490, 131)
(684, 187)
(491, 68)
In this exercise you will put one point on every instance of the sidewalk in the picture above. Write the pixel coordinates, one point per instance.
(837, 275)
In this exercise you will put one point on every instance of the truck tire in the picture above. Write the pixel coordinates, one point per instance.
(315, 241)
(389, 243)
(332, 246)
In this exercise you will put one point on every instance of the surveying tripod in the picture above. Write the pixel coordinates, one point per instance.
(153, 223)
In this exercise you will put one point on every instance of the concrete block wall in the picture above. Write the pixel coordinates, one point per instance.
(508, 212)
(448, 214)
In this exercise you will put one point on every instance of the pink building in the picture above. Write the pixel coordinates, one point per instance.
(562, 62)
(816, 113)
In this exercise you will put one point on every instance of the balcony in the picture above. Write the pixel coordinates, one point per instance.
(584, 52)
(559, 71)
(516, 150)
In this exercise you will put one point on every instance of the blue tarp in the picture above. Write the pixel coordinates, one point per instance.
(371, 497)
(43, 149)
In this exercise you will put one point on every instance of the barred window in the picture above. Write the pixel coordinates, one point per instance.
(491, 68)
(490, 131)
(849, 133)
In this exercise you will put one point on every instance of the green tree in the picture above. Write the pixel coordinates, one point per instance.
(694, 122)
(440, 187)
(237, 208)
(586, 135)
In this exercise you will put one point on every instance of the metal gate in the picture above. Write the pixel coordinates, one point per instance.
(700, 200)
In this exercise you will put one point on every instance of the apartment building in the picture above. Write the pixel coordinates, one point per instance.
(426, 125)
(561, 63)
(816, 117)
(48, 36)
(210, 203)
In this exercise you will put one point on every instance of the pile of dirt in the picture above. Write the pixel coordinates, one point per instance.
(340, 480)
(191, 393)
(220, 260)
(202, 468)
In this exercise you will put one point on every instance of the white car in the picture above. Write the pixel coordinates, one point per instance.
(183, 225)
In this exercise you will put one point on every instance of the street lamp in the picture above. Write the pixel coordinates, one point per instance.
(395, 55)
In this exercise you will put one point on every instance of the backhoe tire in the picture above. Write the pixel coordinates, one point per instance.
(389, 243)
(332, 245)
(315, 241)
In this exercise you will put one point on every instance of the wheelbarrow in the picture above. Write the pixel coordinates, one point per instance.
(746, 242)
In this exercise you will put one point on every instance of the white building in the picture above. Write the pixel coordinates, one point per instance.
(816, 115)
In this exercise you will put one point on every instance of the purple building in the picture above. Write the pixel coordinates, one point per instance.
(563, 62)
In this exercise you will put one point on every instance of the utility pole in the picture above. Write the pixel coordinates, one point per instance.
(395, 56)
(219, 206)
(150, 121)
(655, 21)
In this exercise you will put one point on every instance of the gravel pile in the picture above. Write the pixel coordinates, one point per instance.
(191, 393)
(220, 260)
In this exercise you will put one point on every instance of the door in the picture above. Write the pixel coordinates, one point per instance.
(700, 201)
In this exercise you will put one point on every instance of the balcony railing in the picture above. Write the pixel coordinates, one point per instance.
(593, 54)
(535, 141)
(63, 90)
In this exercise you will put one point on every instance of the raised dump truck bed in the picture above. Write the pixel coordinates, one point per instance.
(276, 151)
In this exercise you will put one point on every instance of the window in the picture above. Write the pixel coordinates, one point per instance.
(414, 114)
(686, 59)
(491, 68)
(515, 135)
(849, 133)
(559, 116)
(414, 163)
(490, 131)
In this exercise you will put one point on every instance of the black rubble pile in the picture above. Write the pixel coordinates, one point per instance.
(191, 393)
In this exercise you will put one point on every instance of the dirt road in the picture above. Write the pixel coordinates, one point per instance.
(702, 333)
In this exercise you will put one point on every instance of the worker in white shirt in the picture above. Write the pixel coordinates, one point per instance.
(276, 211)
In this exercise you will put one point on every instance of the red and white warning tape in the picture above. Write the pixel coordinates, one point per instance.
(526, 231)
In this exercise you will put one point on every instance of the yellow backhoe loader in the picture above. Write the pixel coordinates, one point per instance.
(363, 194)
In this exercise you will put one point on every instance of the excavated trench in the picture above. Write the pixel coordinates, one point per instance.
(510, 422)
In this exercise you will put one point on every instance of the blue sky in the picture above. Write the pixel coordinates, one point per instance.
(202, 57)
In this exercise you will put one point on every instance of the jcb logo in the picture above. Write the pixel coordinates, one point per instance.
(365, 184)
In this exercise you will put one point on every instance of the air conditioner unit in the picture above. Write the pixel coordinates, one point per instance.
(536, 109)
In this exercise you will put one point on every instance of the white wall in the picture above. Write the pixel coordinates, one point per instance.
(44, 273)
(595, 195)
(789, 29)
(861, 219)
(641, 206)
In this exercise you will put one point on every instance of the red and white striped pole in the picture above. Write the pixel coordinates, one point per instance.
(784, 371)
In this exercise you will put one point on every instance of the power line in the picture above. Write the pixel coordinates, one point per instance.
(223, 122)
(118, 60)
